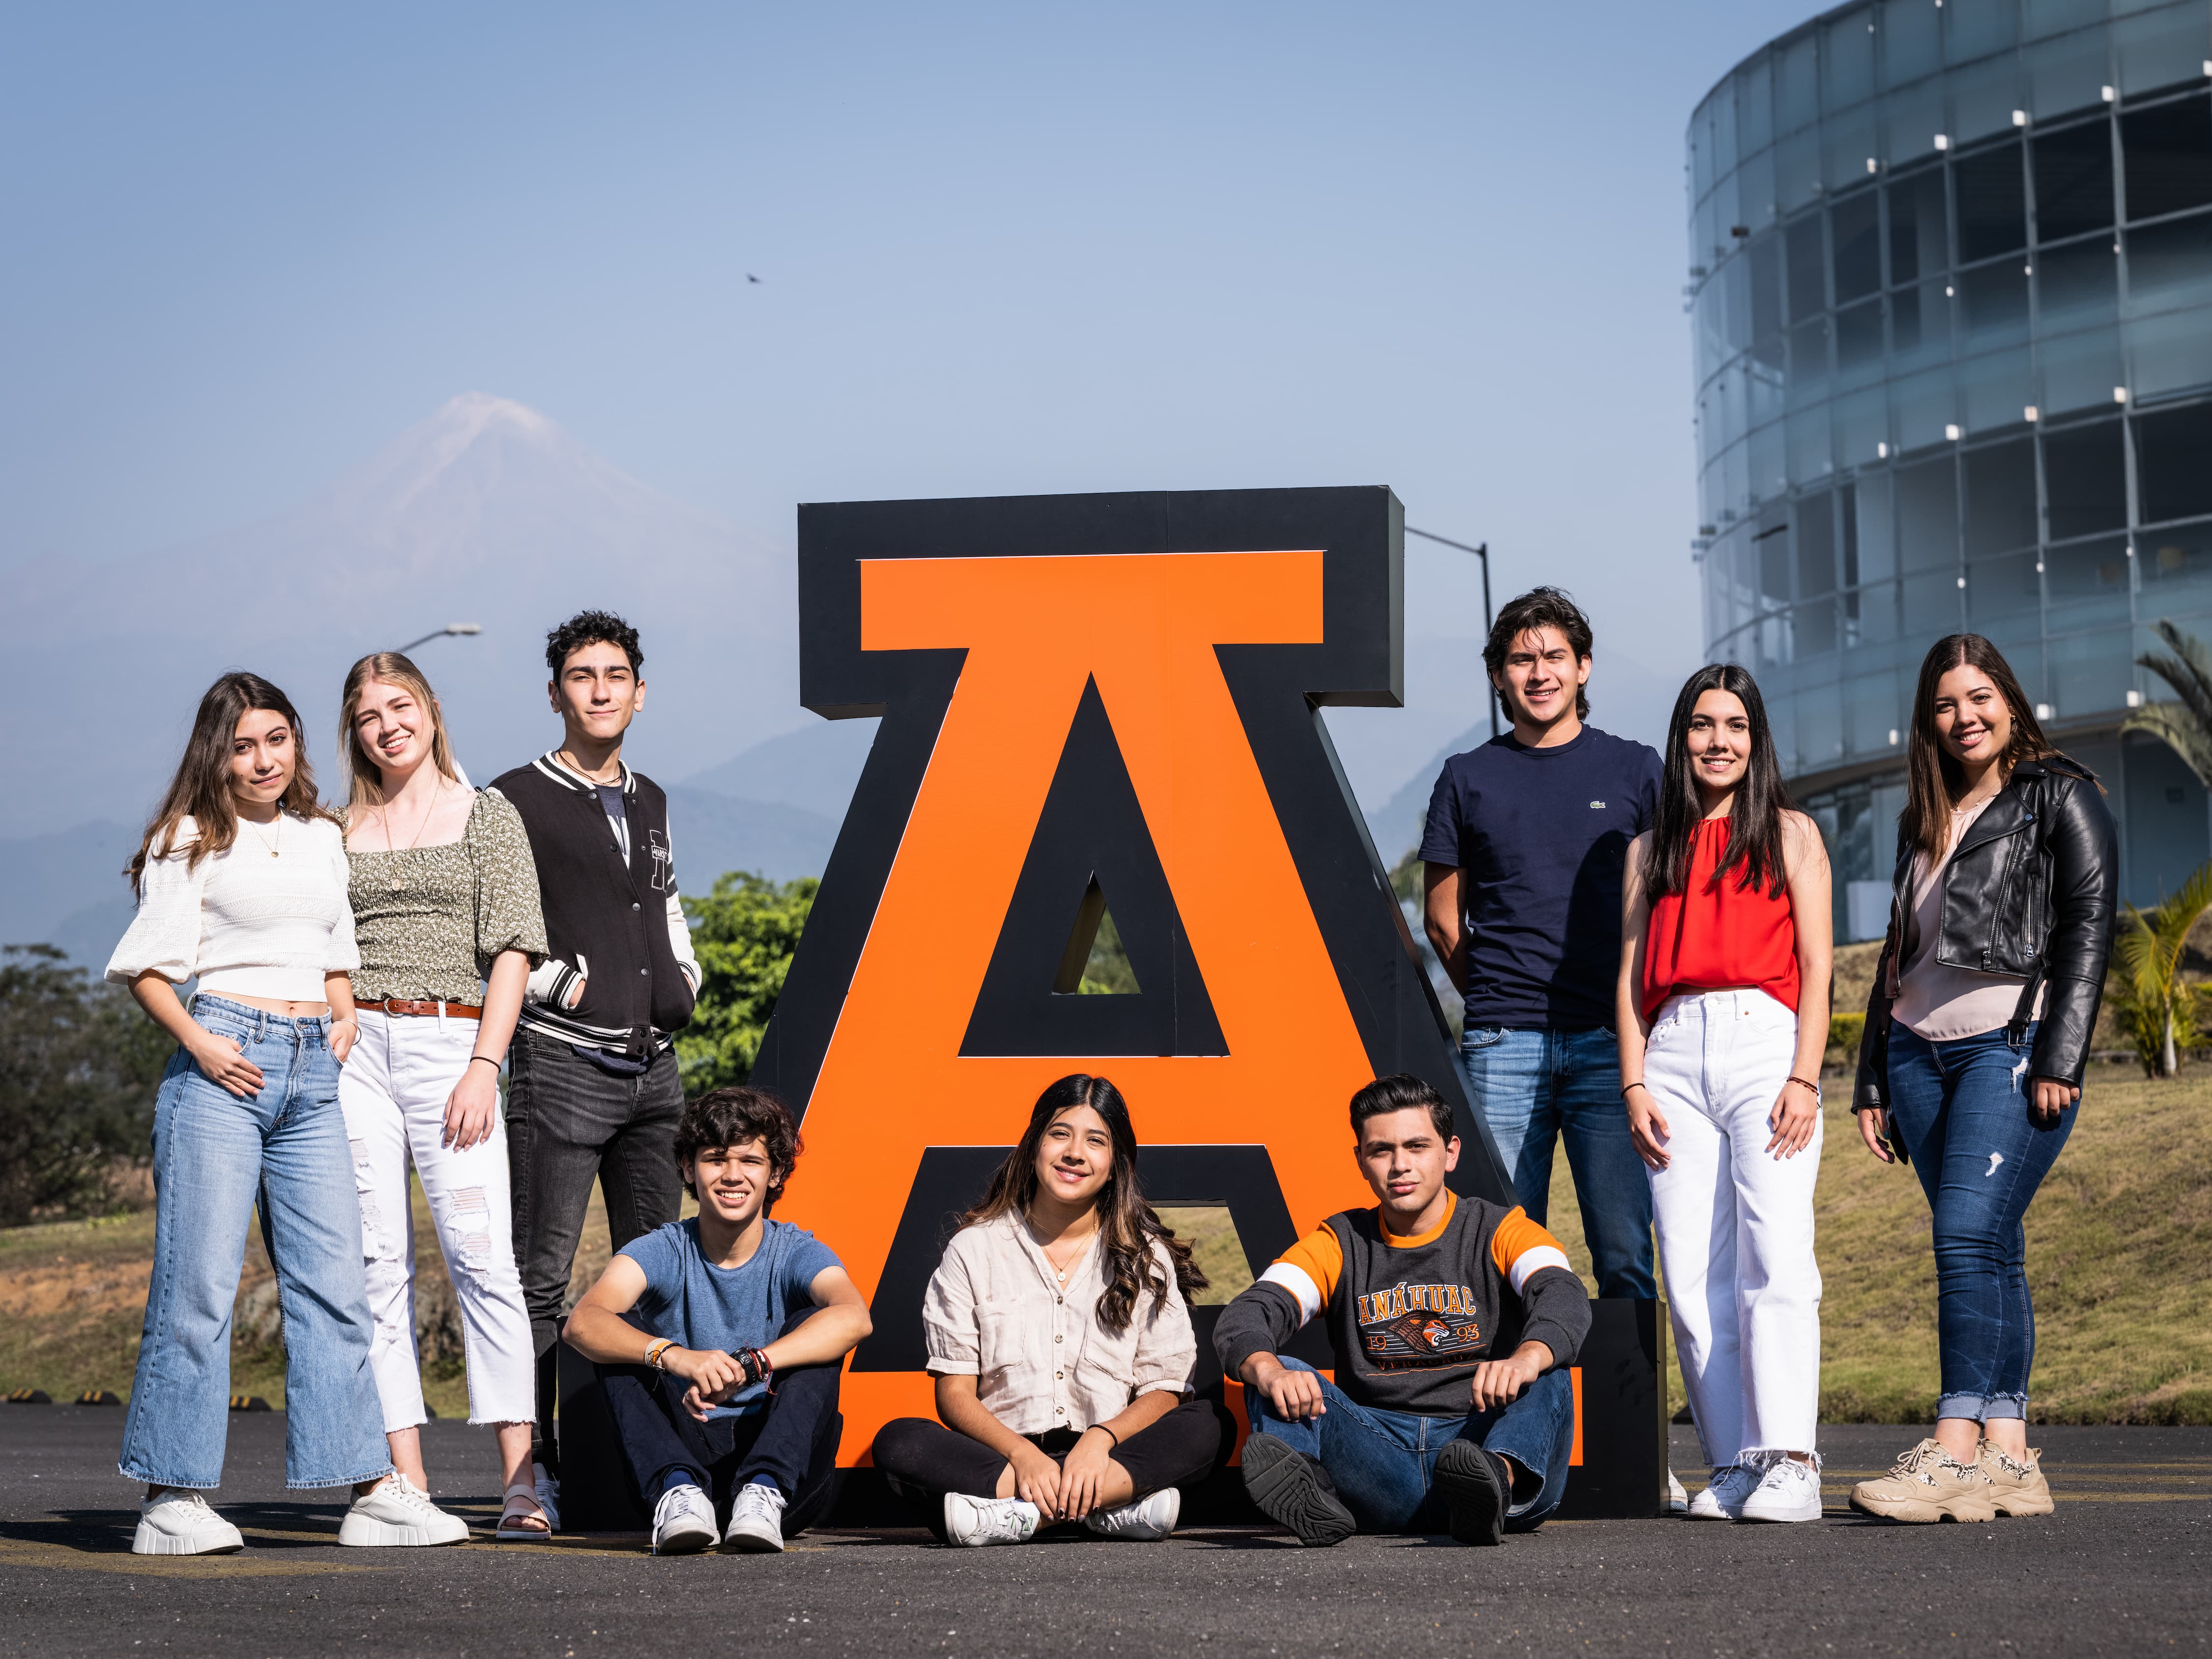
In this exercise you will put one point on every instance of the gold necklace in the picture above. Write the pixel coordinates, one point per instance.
(274, 844)
(399, 872)
(1060, 1272)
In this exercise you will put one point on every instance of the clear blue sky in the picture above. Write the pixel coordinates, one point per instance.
(1001, 248)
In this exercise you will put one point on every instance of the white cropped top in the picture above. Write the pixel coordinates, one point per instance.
(268, 918)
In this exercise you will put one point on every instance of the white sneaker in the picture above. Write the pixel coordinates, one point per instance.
(1147, 1521)
(756, 1519)
(971, 1523)
(683, 1522)
(1724, 1497)
(1677, 1501)
(1790, 1491)
(179, 1522)
(397, 1513)
(548, 1496)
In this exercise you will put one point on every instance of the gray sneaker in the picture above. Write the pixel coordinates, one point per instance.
(684, 1522)
(755, 1520)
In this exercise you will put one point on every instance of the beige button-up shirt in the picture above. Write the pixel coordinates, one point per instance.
(1041, 1359)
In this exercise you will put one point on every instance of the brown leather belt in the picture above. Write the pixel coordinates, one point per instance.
(429, 1010)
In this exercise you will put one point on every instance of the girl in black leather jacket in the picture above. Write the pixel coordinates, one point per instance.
(1977, 1035)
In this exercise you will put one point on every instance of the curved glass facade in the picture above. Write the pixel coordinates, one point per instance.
(1951, 281)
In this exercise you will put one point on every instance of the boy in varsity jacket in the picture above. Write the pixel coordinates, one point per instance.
(1435, 1414)
(593, 1090)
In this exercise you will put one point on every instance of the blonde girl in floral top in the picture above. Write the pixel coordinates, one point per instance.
(446, 913)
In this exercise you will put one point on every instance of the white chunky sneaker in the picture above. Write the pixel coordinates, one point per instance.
(396, 1513)
(1147, 1521)
(756, 1519)
(179, 1522)
(684, 1522)
(971, 1523)
(1790, 1491)
(1677, 1501)
(1723, 1496)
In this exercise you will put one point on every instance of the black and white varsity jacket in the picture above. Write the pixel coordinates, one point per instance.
(614, 926)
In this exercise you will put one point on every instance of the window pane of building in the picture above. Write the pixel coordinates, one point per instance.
(2084, 476)
(1910, 40)
(1807, 292)
(1816, 545)
(2163, 47)
(1858, 336)
(2174, 463)
(2079, 370)
(2091, 674)
(2073, 181)
(1875, 620)
(1995, 390)
(2002, 590)
(1766, 288)
(1875, 522)
(2068, 74)
(1809, 360)
(2080, 278)
(1978, 27)
(1870, 712)
(2170, 264)
(1856, 231)
(1923, 407)
(1754, 106)
(1797, 87)
(1995, 299)
(1928, 515)
(1862, 426)
(2089, 585)
(2173, 573)
(2168, 152)
(1992, 202)
(1847, 59)
(2000, 497)
(2168, 351)
(1932, 604)
(1772, 545)
(1816, 628)
(1919, 244)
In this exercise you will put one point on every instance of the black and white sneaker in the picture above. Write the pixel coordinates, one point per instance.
(1476, 1491)
(1294, 1491)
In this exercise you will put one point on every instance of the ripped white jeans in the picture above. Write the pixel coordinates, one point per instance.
(393, 1090)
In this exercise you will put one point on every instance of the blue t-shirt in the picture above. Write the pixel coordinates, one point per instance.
(1541, 837)
(696, 1304)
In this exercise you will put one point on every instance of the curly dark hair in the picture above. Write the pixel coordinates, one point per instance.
(590, 628)
(1395, 1093)
(728, 1117)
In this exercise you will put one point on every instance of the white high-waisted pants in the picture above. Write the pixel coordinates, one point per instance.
(393, 1089)
(1736, 1223)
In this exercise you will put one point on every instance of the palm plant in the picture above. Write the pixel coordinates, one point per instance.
(2185, 727)
(2155, 1006)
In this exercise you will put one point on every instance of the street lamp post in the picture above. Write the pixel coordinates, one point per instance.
(477, 627)
(1482, 552)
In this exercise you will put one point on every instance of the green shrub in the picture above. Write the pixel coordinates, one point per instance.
(1844, 1032)
(745, 932)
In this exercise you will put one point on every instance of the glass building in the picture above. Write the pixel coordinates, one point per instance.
(1951, 279)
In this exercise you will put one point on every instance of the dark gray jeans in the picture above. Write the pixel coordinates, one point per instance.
(567, 1122)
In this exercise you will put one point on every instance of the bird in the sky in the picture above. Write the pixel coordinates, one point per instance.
(750, 277)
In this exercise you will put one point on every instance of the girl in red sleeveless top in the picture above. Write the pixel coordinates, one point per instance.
(1724, 1019)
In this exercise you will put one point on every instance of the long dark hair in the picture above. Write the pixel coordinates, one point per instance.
(1755, 837)
(1934, 780)
(1127, 1225)
(201, 788)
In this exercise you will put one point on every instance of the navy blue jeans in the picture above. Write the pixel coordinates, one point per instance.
(1536, 1088)
(1962, 1109)
(1384, 1463)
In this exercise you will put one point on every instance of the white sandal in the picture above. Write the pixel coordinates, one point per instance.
(522, 1509)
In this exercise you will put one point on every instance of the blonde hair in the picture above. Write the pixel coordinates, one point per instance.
(364, 778)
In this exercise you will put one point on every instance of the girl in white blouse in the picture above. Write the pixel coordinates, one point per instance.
(241, 884)
(1060, 1336)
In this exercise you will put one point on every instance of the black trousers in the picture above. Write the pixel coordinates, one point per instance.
(922, 1460)
(570, 1123)
(793, 1444)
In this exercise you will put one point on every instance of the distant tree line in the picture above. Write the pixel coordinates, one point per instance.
(79, 1065)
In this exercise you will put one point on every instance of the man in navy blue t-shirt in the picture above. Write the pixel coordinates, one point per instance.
(720, 1341)
(1526, 840)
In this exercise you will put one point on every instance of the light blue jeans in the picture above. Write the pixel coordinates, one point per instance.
(1533, 1088)
(215, 1156)
(1383, 1464)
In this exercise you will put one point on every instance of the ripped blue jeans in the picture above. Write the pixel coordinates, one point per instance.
(1962, 1108)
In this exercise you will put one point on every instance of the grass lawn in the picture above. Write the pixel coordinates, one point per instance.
(2118, 1243)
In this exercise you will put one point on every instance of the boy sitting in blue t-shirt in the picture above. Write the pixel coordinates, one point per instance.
(719, 1340)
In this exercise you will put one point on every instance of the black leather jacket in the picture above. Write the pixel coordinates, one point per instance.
(2031, 892)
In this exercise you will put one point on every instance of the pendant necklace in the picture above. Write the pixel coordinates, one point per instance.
(276, 843)
(399, 872)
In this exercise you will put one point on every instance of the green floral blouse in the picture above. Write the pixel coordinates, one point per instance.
(430, 920)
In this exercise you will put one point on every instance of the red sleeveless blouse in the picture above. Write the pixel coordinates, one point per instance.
(1719, 937)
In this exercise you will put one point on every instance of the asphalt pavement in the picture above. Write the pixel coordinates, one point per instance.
(2123, 1567)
